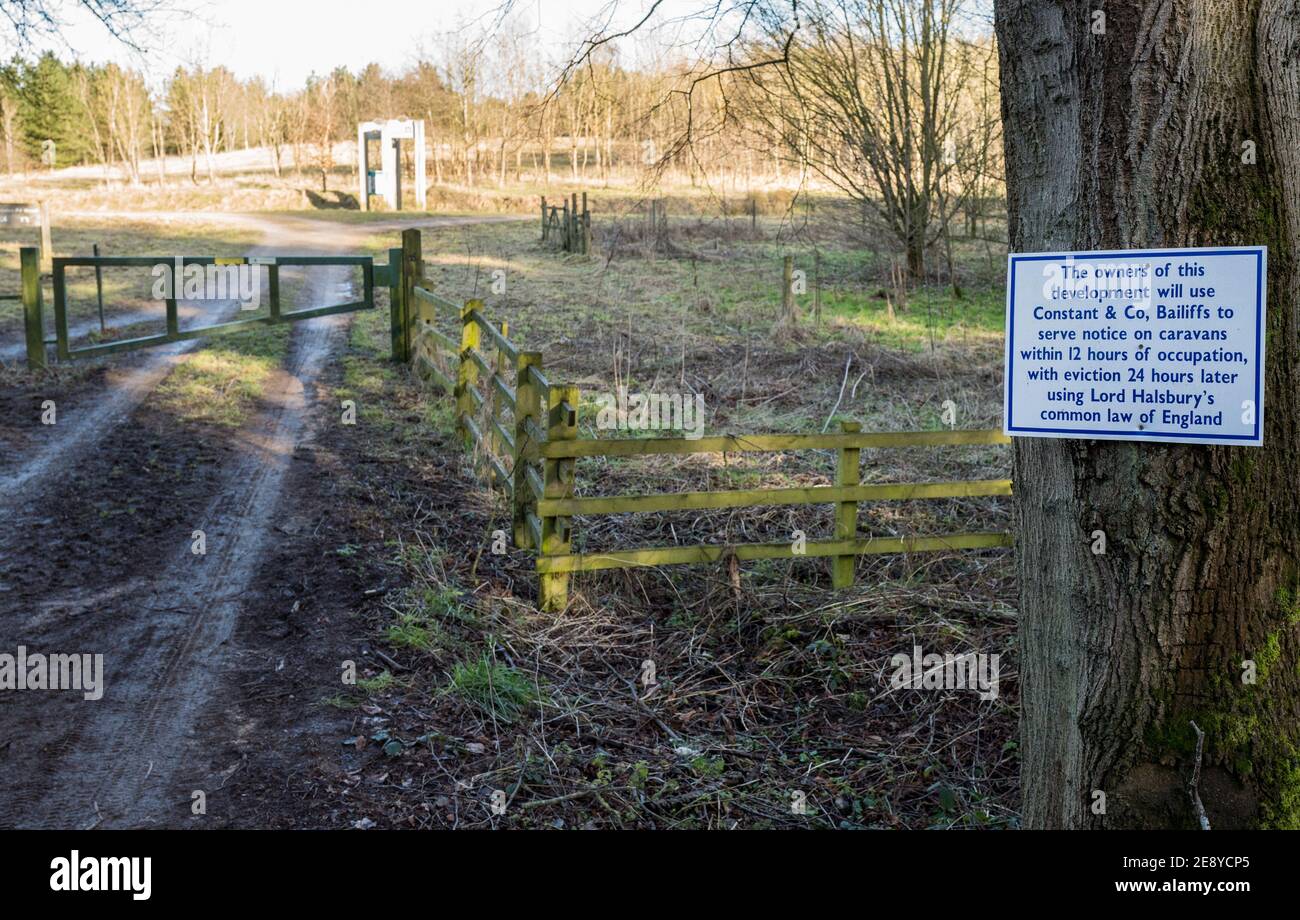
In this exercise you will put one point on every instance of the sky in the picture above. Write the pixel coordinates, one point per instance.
(285, 41)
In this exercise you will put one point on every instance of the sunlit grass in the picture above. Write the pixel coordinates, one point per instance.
(930, 317)
(222, 384)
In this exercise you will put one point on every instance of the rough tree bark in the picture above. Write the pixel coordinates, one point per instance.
(1129, 139)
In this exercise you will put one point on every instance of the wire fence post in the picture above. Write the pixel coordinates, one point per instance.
(787, 291)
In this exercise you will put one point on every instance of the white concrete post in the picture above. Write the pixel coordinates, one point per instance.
(363, 169)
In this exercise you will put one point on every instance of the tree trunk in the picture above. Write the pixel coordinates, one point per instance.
(914, 243)
(1134, 139)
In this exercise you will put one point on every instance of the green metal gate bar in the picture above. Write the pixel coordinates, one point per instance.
(176, 265)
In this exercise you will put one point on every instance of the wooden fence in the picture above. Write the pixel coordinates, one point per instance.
(532, 452)
(567, 227)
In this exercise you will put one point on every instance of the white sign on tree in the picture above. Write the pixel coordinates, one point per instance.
(1137, 345)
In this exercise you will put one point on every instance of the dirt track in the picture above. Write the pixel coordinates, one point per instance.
(95, 557)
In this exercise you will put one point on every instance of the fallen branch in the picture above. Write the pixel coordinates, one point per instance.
(1193, 785)
(840, 398)
(570, 796)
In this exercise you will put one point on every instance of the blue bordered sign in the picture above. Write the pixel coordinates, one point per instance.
(1137, 345)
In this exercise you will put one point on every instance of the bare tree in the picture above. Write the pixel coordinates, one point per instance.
(126, 111)
(9, 105)
(124, 20)
(462, 66)
(867, 98)
(89, 88)
(322, 113)
(273, 128)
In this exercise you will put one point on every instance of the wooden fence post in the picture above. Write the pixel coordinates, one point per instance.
(543, 218)
(846, 513)
(499, 368)
(467, 371)
(273, 292)
(396, 311)
(528, 409)
(585, 227)
(29, 259)
(574, 218)
(412, 272)
(47, 247)
(562, 425)
(787, 291)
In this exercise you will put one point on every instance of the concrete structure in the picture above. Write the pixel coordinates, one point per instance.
(386, 181)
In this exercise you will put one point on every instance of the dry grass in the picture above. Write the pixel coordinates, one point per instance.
(767, 683)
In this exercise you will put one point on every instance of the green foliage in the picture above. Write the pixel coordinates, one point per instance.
(92, 113)
(410, 632)
(444, 604)
(708, 767)
(50, 110)
(494, 688)
(383, 681)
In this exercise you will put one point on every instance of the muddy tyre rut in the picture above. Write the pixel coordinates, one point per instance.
(96, 557)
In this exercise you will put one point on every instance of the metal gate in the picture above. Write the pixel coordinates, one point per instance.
(174, 271)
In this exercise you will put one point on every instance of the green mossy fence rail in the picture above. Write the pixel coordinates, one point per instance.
(532, 453)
